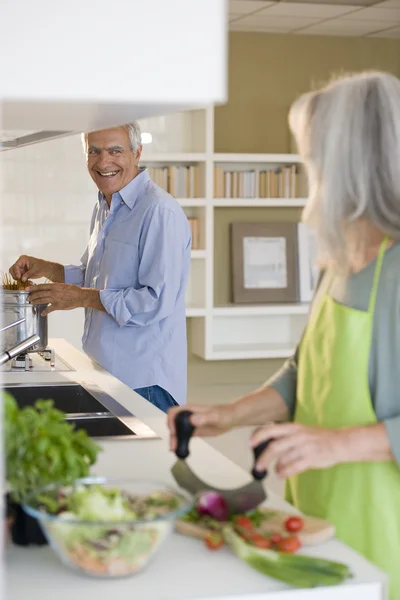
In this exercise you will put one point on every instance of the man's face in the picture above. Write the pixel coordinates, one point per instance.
(111, 162)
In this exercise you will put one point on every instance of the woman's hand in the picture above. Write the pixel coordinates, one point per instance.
(297, 448)
(207, 420)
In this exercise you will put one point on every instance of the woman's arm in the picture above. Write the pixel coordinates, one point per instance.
(264, 405)
(261, 406)
(274, 401)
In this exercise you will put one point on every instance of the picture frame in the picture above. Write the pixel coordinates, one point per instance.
(264, 262)
(308, 268)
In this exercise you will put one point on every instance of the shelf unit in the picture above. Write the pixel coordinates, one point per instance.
(259, 202)
(229, 332)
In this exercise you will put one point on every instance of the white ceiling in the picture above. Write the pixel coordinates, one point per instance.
(357, 18)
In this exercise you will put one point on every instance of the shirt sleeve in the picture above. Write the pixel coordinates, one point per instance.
(162, 247)
(285, 382)
(75, 274)
(393, 430)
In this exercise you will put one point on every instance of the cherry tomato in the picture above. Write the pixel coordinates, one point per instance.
(290, 544)
(243, 523)
(259, 541)
(245, 534)
(294, 524)
(214, 541)
(275, 538)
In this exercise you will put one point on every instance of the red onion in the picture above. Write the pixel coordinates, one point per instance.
(213, 505)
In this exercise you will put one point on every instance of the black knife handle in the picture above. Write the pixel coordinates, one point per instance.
(184, 431)
(257, 451)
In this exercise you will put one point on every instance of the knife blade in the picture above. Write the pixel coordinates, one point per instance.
(239, 500)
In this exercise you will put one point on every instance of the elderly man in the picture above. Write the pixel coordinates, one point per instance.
(133, 273)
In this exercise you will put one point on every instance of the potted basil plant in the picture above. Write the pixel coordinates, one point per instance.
(41, 448)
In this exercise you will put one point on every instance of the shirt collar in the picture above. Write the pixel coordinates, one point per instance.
(130, 193)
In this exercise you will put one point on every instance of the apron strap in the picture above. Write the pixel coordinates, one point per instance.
(375, 282)
(377, 272)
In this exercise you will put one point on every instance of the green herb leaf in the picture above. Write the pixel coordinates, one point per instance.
(42, 448)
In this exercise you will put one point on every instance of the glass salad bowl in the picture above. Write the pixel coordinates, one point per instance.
(107, 528)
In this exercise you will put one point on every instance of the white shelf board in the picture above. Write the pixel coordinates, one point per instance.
(259, 202)
(257, 158)
(250, 351)
(171, 157)
(198, 254)
(251, 310)
(189, 202)
(195, 311)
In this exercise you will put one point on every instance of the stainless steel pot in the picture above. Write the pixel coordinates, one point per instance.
(14, 307)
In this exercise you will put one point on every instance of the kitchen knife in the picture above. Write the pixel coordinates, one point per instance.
(239, 500)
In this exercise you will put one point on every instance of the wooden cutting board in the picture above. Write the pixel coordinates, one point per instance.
(315, 531)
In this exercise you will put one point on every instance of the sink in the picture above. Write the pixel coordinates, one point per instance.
(106, 426)
(87, 407)
(69, 398)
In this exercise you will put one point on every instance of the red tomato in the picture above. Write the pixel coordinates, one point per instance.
(214, 541)
(259, 541)
(290, 544)
(293, 524)
(275, 538)
(243, 523)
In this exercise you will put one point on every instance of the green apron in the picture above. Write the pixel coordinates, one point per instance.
(362, 499)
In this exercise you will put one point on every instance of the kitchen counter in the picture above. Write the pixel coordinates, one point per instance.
(184, 569)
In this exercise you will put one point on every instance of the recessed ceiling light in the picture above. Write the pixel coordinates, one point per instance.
(147, 138)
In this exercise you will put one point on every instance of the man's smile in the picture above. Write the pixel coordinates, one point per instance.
(107, 173)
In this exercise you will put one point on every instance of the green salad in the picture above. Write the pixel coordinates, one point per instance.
(107, 532)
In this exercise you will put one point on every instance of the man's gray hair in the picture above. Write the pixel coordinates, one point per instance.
(134, 133)
(348, 135)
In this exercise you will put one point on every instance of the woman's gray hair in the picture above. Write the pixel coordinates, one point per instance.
(134, 133)
(348, 135)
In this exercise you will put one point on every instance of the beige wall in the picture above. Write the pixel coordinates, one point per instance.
(266, 73)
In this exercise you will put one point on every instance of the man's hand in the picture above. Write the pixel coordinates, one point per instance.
(64, 296)
(29, 267)
(61, 296)
(298, 448)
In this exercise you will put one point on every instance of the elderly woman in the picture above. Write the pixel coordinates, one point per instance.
(339, 448)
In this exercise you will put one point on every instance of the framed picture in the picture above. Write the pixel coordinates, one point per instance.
(264, 262)
(308, 270)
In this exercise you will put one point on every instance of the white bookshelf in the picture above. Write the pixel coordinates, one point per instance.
(259, 202)
(193, 202)
(234, 310)
(230, 332)
(257, 158)
(183, 157)
(198, 254)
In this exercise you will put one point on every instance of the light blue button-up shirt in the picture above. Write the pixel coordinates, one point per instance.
(138, 255)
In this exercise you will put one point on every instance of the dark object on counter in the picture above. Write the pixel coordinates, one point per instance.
(25, 530)
(240, 500)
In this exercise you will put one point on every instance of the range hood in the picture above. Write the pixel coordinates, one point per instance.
(79, 66)
(10, 140)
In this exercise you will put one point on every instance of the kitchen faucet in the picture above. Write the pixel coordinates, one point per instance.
(19, 348)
